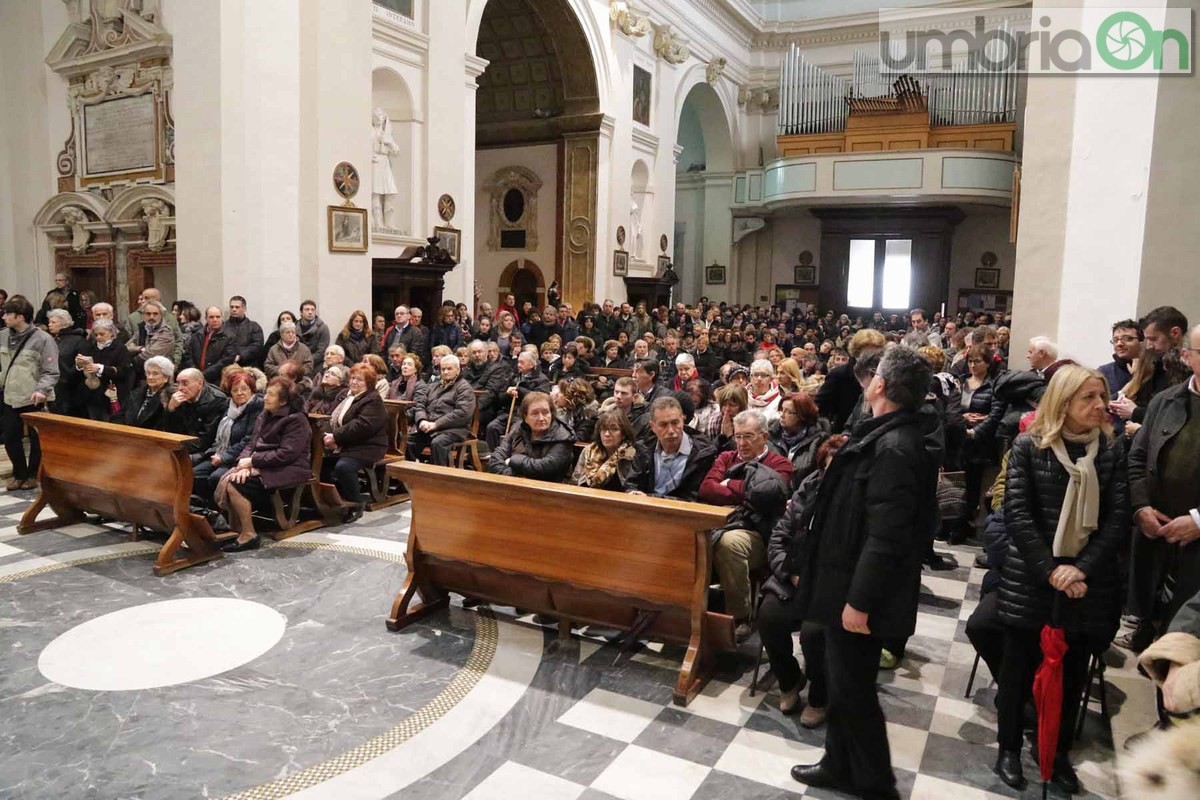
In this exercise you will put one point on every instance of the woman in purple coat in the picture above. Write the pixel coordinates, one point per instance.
(279, 454)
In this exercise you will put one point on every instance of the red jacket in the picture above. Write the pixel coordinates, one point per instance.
(711, 490)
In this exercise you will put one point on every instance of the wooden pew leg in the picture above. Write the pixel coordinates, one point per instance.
(192, 531)
(289, 521)
(64, 514)
(432, 600)
(699, 661)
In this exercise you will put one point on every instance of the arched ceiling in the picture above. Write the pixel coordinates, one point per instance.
(538, 60)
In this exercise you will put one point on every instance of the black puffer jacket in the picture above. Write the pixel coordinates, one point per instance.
(803, 451)
(1019, 391)
(872, 521)
(1034, 489)
(792, 525)
(550, 458)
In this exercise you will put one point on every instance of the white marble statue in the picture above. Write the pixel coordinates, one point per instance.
(635, 230)
(383, 183)
(80, 236)
(158, 224)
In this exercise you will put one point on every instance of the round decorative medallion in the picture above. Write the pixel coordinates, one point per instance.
(662, 242)
(805, 257)
(345, 179)
(988, 259)
(621, 235)
(446, 207)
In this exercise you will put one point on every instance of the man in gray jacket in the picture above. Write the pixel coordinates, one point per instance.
(313, 330)
(28, 374)
(135, 319)
(445, 418)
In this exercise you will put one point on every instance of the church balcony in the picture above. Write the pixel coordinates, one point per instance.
(898, 177)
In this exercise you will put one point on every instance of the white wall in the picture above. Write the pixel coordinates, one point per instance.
(542, 160)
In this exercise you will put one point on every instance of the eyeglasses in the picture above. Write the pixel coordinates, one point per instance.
(1123, 340)
(746, 437)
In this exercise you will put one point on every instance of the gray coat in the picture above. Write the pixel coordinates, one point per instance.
(316, 338)
(450, 408)
(35, 369)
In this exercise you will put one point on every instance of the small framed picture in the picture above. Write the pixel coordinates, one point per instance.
(714, 275)
(620, 263)
(806, 275)
(664, 262)
(987, 278)
(450, 240)
(347, 229)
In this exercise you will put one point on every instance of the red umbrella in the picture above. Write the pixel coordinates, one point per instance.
(1048, 693)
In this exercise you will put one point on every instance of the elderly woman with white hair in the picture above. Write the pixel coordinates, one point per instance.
(288, 348)
(69, 339)
(147, 405)
(765, 395)
(102, 367)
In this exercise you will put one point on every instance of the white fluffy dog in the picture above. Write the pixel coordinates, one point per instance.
(1165, 765)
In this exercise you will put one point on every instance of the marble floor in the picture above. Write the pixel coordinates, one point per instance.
(270, 674)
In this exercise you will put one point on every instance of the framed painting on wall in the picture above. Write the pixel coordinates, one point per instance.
(987, 278)
(806, 275)
(450, 239)
(641, 96)
(620, 263)
(714, 275)
(347, 229)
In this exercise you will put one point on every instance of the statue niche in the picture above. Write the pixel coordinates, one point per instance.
(512, 215)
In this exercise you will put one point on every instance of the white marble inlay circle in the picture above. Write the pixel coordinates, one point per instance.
(162, 644)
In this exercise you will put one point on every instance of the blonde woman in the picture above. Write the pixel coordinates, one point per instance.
(1066, 506)
(787, 373)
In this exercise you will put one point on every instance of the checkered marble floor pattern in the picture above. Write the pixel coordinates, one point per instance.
(623, 740)
(595, 724)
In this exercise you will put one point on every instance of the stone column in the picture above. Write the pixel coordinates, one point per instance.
(1108, 175)
(269, 97)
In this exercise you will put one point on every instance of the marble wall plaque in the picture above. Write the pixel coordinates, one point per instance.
(119, 135)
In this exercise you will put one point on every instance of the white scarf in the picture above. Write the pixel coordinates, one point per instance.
(1081, 505)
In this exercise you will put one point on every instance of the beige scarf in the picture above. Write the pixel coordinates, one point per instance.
(1081, 506)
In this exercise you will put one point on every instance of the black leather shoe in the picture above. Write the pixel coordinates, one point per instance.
(1008, 767)
(817, 775)
(232, 546)
(354, 513)
(1064, 776)
(939, 562)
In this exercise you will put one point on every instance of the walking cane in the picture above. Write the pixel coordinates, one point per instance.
(511, 408)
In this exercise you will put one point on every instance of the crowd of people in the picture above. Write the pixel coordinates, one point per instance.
(828, 436)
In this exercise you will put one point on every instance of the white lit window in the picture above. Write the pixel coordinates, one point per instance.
(860, 288)
(897, 272)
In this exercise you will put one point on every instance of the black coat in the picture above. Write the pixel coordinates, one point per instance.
(68, 394)
(699, 462)
(115, 362)
(708, 364)
(981, 445)
(239, 432)
(788, 536)
(146, 409)
(357, 348)
(839, 395)
(872, 521)
(222, 350)
(199, 418)
(248, 341)
(550, 458)
(1033, 493)
(492, 378)
(803, 452)
(362, 434)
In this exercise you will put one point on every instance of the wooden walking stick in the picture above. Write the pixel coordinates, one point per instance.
(511, 408)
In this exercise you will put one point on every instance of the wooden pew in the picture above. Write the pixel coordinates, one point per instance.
(287, 501)
(623, 561)
(397, 435)
(129, 474)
